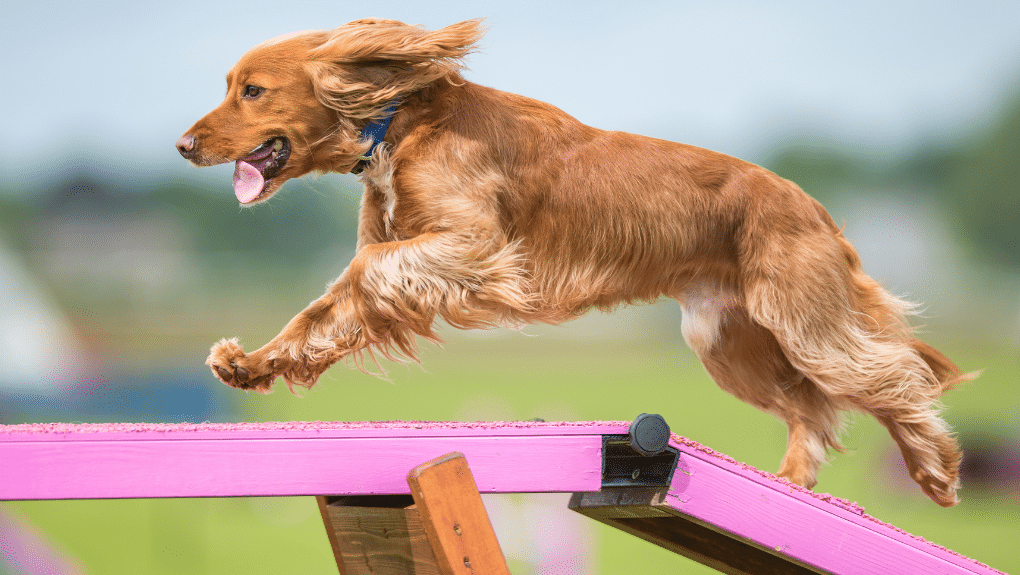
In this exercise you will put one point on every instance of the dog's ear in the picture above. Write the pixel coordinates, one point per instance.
(377, 41)
(363, 66)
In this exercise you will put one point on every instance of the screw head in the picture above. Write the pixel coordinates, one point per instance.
(649, 434)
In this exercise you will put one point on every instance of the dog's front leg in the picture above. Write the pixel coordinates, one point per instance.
(319, 336)
(390, 293)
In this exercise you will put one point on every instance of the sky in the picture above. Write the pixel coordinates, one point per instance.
(122, 80)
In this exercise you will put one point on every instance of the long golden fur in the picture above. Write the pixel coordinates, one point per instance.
(485, 208)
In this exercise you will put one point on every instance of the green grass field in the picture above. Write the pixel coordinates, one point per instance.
(513, 376)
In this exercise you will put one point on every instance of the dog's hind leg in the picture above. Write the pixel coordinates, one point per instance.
(845, 333)
(814, 423)
(745, 360)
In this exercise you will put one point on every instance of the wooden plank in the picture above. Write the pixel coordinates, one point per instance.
(709, 547)
(644, 514)
(377, 536)
(454, 517)
(322, 501)
(246, 465)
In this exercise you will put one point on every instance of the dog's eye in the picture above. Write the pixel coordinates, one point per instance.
(253, 91)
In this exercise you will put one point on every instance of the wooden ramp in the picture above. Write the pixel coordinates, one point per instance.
(408, 492)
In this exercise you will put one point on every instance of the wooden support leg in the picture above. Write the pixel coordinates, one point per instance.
(377, 535)
(440, 529)
(454, 518)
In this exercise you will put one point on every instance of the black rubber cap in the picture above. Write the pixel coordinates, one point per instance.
(649, 434)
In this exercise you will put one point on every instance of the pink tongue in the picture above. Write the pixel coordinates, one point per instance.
(248, 182)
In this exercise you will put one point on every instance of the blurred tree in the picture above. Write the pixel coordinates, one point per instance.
(977, 181)
(304, 220)
(295, 226)
(984, 190)
(14, 221)
(821, 169)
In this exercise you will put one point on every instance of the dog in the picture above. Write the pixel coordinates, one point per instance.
(485, 208)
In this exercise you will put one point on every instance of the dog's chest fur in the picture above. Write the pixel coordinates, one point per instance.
(704, 306)
(381, 192)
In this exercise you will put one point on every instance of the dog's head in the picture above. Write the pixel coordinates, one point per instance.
(298, 103)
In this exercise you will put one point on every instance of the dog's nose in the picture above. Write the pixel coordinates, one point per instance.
(186, 146)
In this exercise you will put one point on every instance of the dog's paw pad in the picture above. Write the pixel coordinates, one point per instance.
(223, 373)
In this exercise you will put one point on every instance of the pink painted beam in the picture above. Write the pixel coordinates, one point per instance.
(816, 529)
(806, 531)
(738, 519)
(67, 461)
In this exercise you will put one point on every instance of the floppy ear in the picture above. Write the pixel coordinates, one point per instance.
(364, 65)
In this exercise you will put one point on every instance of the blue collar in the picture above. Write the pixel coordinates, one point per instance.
(375, 131)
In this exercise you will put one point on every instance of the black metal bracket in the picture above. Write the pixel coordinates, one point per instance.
(641, 458)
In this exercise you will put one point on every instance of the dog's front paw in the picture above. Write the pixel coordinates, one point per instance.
(233, 367)
(941, 492)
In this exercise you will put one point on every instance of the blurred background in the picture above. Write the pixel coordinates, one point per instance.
(120, 264)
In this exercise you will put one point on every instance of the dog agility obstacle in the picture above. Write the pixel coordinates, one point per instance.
(400, 494)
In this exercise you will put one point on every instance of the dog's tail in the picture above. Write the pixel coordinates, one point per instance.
(948, 373)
